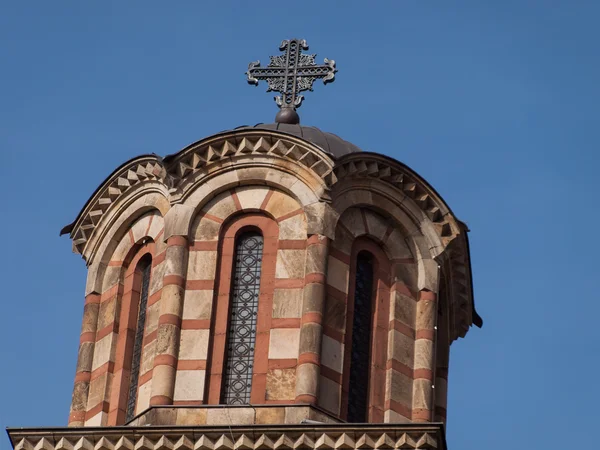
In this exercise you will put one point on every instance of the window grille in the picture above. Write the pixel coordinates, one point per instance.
(361, 340)
(241, 335)
(145, 267)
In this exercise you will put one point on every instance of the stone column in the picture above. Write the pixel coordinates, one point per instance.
(311, 330)
(85, 357)
(169, 321)
(424, 356)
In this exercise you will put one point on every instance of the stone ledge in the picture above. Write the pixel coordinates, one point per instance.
(234, 437)
(231, 414)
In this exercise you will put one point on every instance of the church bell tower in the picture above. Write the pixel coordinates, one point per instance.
(268, 287)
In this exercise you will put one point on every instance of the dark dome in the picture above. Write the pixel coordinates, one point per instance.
(329, 142)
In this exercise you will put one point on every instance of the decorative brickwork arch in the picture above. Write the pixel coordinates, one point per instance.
(110, 283)
(127, 370)
(377, 343)
(269, 231)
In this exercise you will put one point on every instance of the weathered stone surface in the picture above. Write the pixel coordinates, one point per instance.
(293, 228)
(281, 384)
(85, 357)
(353, 221)
(152, 313)
(99, 390)
(143, 399)
(337, 274)
(281, 204)
(287, 303)
(335, 313)
(394, 417)
(230, 416)
(191, 416)
(198, 304)
(422, 393)
(329, 395)
(425, 315)
(193, 344)
(189, 385)
(376, 225)
(107, 313)
(156, 278)
(316, 261)
(148, 357)
(332, 354)
(403, 309)
(401, 348)
(222, 206)
(202, 265)
(284, 343)
(104, 351)
(251, 197)
(321, 219)
(423, 354)
(290, 264)
(310, 338)
(398, 387)
(205, 229)
(270, 415)
(177, 221)
(80, 396)
(307, 379)
(167, 339)
(314, 296)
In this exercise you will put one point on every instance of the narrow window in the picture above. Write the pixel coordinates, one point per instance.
(361, 340)
(241, 335)
(144, 267)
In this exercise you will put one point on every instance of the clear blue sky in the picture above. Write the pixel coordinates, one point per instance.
(494, 102)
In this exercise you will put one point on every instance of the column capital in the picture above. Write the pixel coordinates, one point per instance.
(321, 219)
(177, 221)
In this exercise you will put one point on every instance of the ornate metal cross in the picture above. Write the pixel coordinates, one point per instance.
(291, 73)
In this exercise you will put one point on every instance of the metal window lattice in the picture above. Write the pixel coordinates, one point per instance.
(137, 345)
(361, 340)
(241, 335)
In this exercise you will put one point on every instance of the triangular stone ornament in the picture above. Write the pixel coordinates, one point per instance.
(283, 442)
(324, 442)
(263, 443)
(304, 442)
(163, 444)
(184, 443)
(43, 444)
(345, 442)
(244, 443)
(246, 146)
(384, 441)
(203, 443)
(406, 441)
(228, 149)
(262, 146)
(83, 444)
(279, 148)
(144, 443)
(223, 443)
(124, 444)
(104, 444)
(213, 154)
(63, 444)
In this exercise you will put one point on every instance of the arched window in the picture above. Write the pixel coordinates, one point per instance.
(143, 272)
(243, 312)
(360, 354)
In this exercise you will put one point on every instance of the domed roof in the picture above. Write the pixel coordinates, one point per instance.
(328, 142)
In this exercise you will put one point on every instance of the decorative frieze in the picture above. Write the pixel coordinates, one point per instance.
(235, 437)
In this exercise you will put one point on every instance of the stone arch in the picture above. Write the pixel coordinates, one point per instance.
(239, 179)
(109, 235)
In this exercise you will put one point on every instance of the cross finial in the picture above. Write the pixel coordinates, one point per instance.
(289, 74)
